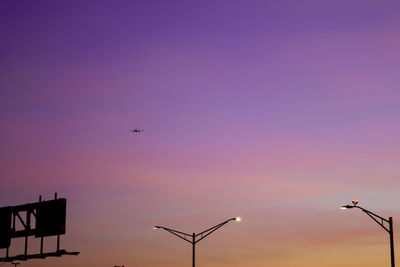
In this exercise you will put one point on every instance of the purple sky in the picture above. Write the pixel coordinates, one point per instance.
(277, 111)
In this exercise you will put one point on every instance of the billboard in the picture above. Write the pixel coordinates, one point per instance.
(51, 217)
(48, 217)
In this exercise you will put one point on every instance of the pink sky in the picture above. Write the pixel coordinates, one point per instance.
(275, 111)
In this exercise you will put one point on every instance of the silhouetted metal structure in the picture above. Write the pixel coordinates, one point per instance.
(379, 220)
(191, 238)
(50, 220)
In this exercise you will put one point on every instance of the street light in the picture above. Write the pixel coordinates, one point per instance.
(194, 236)
(379, 220)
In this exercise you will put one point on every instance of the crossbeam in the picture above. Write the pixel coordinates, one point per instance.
(24, 257)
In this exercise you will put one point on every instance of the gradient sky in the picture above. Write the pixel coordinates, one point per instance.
(277, 111)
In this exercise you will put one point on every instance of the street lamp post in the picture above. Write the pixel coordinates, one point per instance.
(379, 220)
(195, 238)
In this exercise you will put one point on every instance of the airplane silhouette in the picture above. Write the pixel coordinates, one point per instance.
(135, 130)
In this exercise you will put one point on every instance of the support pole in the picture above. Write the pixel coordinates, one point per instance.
(391, 241)
(27, 228)
(26, 245)
(58, 236)
(41, 245)
(194, 248)
(41, 238)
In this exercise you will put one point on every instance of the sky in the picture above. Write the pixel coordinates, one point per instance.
(276, 111)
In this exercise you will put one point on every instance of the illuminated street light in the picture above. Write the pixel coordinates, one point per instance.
(379, 220)
(194, 236)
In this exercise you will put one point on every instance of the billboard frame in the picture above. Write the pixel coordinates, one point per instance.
(31, 210)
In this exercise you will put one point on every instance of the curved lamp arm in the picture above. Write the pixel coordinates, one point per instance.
(179, 234)
(209, 231)
(202, 235)
(374, 216)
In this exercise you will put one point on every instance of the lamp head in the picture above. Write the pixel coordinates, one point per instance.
(238, 219)
(156, 227)
(345, 207)
(355, 202)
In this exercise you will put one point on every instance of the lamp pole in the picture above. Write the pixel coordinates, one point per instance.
(379, 220)
(195, 238)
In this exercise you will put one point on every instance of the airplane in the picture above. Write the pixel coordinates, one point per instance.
(136, 130)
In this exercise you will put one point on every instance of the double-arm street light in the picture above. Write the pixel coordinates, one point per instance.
(381, 221)
(195, 238)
